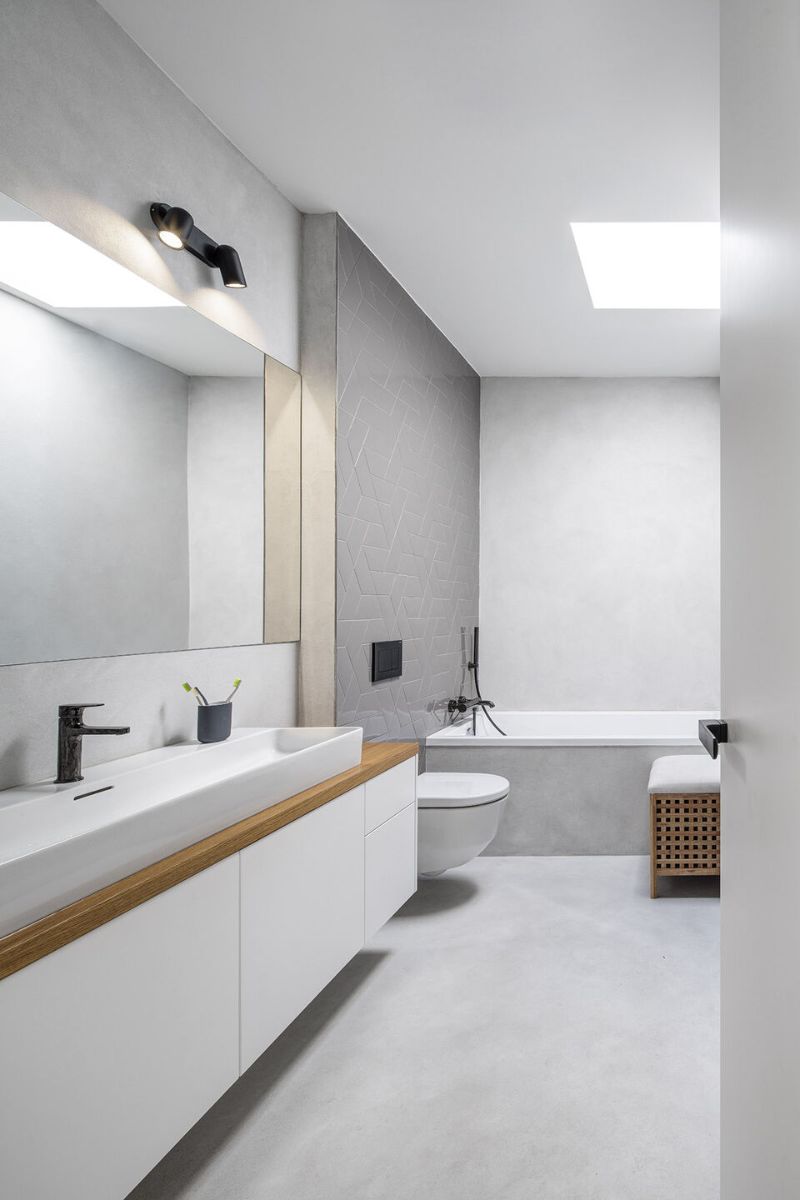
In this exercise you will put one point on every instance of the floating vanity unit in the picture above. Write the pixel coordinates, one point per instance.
(126, 1014)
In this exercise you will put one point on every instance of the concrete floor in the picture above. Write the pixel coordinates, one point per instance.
(526, 1029)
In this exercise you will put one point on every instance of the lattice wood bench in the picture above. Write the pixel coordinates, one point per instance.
(684, 817)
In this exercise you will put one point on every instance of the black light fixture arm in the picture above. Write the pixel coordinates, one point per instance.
(177, 230)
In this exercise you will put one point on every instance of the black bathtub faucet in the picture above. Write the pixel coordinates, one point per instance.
(462, 705)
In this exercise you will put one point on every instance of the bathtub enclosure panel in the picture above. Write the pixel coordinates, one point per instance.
(114, 1046)
(302, 916)
(566, 800)
(578, 780)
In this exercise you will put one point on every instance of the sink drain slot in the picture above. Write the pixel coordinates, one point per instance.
(94, 792)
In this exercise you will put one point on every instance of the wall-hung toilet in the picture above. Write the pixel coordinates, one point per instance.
(459, 813)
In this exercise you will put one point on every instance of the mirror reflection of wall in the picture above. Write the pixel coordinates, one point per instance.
(132, 478)
(225, 490)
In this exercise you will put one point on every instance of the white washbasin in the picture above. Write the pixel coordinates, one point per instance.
(59, 842)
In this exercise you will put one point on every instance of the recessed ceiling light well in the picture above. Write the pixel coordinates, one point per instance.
(650, 264)
(48, 264)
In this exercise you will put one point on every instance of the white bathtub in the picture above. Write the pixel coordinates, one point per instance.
(576, 729)
(578, 779)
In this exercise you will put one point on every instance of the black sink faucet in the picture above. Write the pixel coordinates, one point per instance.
(71, 731)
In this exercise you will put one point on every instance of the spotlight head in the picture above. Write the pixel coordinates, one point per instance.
(177, 229)
(230, 267)
(174, 225)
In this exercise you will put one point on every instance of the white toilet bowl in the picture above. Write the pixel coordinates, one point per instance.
(458, 817)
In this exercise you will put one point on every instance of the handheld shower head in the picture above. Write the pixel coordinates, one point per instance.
(473, 666)
(475, 643)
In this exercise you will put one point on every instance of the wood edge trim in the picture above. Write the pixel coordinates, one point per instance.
(26, 945)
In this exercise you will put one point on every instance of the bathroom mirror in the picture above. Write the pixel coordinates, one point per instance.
(149, 464)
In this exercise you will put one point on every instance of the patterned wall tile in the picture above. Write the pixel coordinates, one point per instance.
(408, 500)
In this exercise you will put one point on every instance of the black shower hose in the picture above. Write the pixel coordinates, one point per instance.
(480, 697)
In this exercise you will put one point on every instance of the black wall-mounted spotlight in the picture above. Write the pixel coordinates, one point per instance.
(178, 231)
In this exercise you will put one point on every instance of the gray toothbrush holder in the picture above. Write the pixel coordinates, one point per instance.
(214, 721)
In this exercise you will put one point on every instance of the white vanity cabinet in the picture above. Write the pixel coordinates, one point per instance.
(302, 915)
(112, 1047)
(390, 844)
(315, 891)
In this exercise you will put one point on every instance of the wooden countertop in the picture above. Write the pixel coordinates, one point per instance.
(26, 945)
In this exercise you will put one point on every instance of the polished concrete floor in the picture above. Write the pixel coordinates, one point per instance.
(525, 1029)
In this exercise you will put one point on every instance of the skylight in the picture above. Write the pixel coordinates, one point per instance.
(650, 264)
(49, 265)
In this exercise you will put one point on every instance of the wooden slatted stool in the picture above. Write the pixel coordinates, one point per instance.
(684, 817)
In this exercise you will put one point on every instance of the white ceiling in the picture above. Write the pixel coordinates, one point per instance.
(460, 137)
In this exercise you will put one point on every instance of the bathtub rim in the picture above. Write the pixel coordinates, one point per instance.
(456, 735)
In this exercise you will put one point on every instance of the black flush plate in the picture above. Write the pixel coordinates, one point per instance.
(387, 661)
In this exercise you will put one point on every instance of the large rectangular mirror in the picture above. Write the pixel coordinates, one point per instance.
(149, 464)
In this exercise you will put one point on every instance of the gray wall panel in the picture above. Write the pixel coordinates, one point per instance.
(407, 502)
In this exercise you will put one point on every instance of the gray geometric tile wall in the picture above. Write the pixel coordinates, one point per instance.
(407, 463)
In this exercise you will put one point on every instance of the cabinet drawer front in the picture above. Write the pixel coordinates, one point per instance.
(390, 792)
(112, 1047)
(302, 916)
(390, 868)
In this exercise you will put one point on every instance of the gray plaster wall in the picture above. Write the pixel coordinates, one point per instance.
(93, 132)
(407, 463)
(600, 555)
(93, 512)
(566, 799)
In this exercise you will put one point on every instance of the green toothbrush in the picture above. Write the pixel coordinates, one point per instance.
(187, 687)
(236, 683)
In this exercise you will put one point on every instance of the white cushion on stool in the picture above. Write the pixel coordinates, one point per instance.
(691, 773)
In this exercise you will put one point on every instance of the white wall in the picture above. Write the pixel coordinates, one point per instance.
(599, 574)
(92, 133)
(760, 379)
